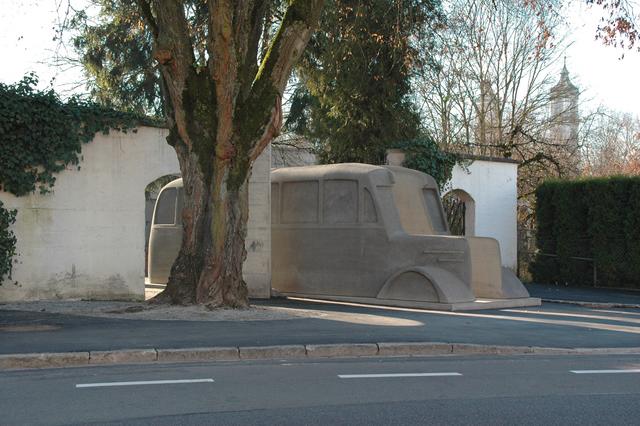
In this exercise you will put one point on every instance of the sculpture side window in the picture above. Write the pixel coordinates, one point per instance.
(369, 214)
(165, 213)
(340, 203)
(435, 212)
(299, 202)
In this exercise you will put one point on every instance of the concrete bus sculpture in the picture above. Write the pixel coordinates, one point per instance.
(364, 233)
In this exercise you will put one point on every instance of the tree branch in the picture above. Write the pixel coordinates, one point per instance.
(174, 53)
(263, 104)
(251, 28)
(145, 7)
(223, 66)
(297, 26)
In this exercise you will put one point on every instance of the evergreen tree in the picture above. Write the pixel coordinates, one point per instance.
(115, 50)
(354, 97)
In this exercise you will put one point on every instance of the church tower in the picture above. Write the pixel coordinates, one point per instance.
(563, 112)
(487, 126)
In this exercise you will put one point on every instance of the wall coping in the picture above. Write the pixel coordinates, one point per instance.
(488, 158)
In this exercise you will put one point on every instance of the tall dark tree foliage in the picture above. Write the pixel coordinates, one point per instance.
(115, 51)
(354, 98)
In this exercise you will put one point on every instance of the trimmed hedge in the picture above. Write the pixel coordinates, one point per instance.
(589, 218)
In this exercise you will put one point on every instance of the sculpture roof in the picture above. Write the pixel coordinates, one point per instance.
(325, 169)
(385, 173)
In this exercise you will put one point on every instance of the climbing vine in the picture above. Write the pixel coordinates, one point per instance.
(41, 135)
(423, 154)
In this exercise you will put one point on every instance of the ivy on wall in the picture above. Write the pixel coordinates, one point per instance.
(40, 135)
(425, 155)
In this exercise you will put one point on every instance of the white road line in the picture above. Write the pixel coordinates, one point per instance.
(604, 371)
(146, 382)
(376, 376)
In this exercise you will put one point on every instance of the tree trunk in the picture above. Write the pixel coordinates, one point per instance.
(221, 282)
(222, 116)
(208, 269)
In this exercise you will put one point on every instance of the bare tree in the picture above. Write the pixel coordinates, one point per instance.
(610, 143)
(493, 89)
(490, 87)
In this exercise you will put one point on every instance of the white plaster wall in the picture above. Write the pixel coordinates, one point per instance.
(86, 239)
(257, 267)
(493, 187)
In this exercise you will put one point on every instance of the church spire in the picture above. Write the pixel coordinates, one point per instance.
(564, 87)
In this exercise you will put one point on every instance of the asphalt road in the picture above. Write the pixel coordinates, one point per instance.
(552, 325)
(442, 390)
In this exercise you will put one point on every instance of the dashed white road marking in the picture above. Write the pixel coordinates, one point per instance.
(377, 376)
(605, 371)
(143, 382)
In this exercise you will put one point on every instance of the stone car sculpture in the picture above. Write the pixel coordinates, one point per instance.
(378, 234)
(362, 233)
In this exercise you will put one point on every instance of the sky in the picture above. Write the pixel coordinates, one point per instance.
(27, 32)
(597, 69)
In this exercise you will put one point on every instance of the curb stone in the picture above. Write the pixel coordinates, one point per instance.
(198, 354)
(43, 360)
(414, 349)
(472, 349)
(400, 349)
(342, 350)
(272, 352)
(124, 356)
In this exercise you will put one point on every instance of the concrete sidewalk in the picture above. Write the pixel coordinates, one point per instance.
(555, 327)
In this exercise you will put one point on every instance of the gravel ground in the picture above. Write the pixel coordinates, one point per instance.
(143, 311)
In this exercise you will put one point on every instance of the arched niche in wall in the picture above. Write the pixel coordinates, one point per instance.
(460, 208)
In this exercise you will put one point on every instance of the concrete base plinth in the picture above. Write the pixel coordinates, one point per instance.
(477, 304)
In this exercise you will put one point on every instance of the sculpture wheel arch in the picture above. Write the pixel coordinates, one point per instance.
(426, 284)
(410, 284)
(460, 208)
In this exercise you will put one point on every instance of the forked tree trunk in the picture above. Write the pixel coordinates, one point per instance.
(208, 269)
(222, 116)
